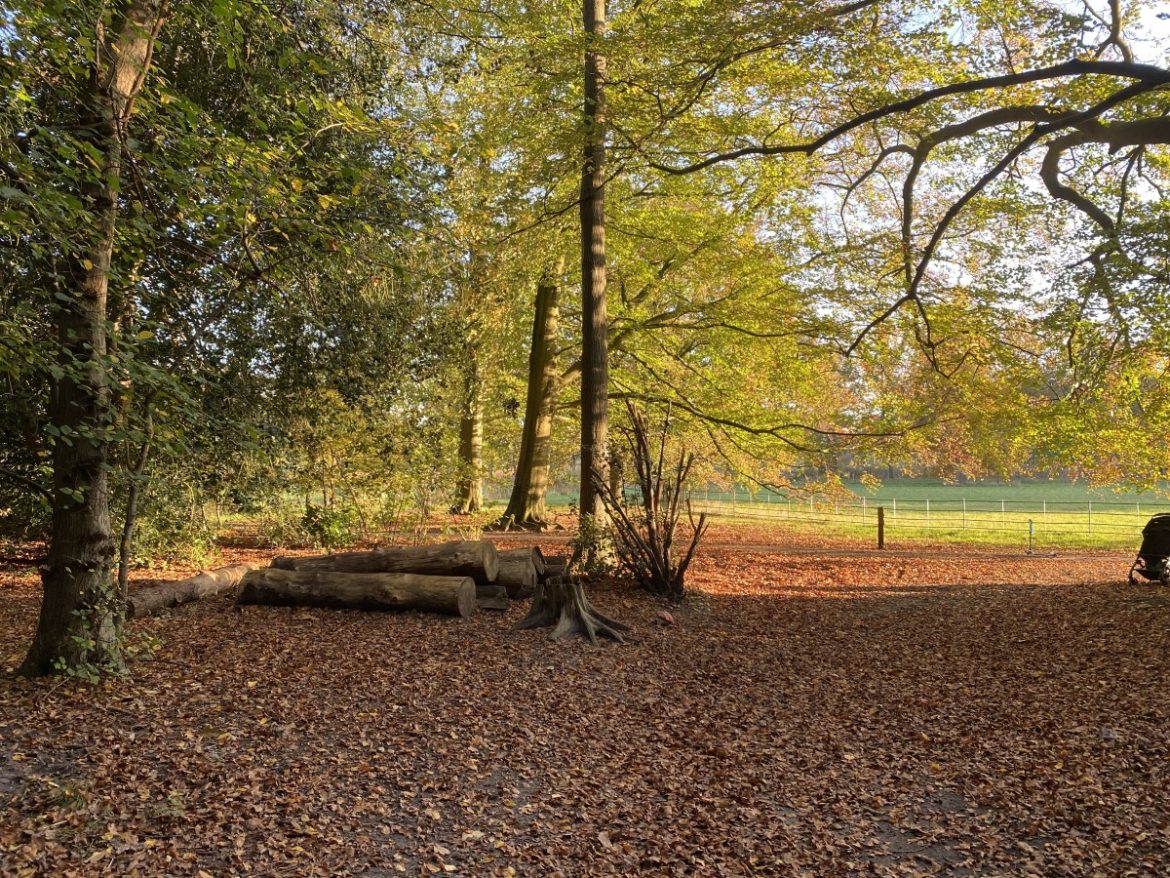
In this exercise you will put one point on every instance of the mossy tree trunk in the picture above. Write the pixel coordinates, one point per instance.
(81, 612)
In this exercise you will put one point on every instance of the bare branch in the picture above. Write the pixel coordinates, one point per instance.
(1146, 74)
(26, 482)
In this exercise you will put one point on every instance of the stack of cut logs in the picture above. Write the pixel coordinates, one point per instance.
(454, 578)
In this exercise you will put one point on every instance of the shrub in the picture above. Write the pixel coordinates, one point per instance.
(331, 528)
(644, 535)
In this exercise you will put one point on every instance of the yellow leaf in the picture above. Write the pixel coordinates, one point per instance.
(87, 265)
(97, 855)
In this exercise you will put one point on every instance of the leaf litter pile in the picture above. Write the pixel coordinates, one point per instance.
(808, 715)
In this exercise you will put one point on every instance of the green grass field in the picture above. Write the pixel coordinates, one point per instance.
(1056, 514)
(1041, 514)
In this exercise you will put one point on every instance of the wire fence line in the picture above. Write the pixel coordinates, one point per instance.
(1036, 520)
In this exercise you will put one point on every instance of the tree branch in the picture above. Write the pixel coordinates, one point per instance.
(1146, 74)
(26, 482)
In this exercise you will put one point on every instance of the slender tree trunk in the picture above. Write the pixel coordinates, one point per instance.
(469, 492)
(81, 612)
(594, 321)
(527, 503)
(131, 519)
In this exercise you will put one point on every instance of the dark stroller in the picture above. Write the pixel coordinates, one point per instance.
(1153, 558)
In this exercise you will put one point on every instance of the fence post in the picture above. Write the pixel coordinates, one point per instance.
(894, 510)
(1090, 518)
(1002, 513)
(928, 512)
(964, 513)
(863, 511)
(1031, 535)
(881, 527)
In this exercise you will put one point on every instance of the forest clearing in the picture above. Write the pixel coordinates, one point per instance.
(584, 438)
(829, 713)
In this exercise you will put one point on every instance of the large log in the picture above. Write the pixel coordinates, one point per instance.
(518, 576)
(452, 595)
(150, 600)
(478, 560)
(532, 554)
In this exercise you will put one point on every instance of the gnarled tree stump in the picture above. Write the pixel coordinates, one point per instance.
(562, 604)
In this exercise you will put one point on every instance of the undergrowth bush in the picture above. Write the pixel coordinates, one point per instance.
(644, 534)
(332, 528)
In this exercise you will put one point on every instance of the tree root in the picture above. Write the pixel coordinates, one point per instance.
(562, 604)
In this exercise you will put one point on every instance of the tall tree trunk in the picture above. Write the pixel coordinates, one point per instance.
(594, 321)
(527, 503)
(80, 619)
(469, 492)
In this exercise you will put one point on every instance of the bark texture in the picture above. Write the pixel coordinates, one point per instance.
(526, 506)
(518, 576)
(81, 611)
(562, 604)
(532, 554)
(469, 491)
(148, 601)
(594, 318)
(450, 595)
(477, 560)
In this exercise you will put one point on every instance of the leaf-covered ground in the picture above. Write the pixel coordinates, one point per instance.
(822, 713)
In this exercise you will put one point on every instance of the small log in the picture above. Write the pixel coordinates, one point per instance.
(479, 560)
(451, 595)
(533, 554)
(154, 598)
(491, 597)
(518, 576)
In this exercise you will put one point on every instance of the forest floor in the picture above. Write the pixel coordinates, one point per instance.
(815, 710)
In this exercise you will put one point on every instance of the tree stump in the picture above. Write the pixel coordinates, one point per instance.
(562, 604)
